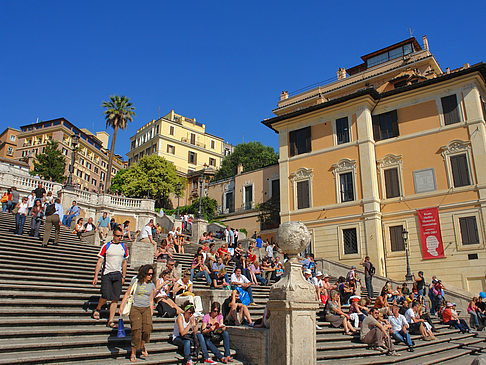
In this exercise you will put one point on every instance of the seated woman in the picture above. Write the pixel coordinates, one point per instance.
(267, 269)
(355, 312)
(475, 314)
(279, 271)
(382, 305)
(336, 316)
(163, 254)
(163, 288)
(183, 291)
(198, 269)
(126, 231)
(214, 331)
(256, 274)
(185, 324)
(78, 228)
(217, 267)
(204, 239)
(232, 306)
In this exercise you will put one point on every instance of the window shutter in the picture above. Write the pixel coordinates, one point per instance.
(195, 158)
(392, 184)
(469, 230)
(450, 109)
(394, 121)
(303, 194)
(376, 127)
(308, 146)
(396, 239)
(460, 171)
(292, 143)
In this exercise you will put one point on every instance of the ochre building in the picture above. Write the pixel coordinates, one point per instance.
(394, 144)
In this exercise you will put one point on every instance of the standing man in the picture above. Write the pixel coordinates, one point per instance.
(184, 220)
(112, 263)
(146, 233)
(15, 197)
(376, 334)
(53, 213)
(103, 226)
(30, 202)
(270, 250)
(72, 213)
(369, 272)
(40, 192)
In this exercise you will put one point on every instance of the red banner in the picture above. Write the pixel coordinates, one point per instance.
(432, 247)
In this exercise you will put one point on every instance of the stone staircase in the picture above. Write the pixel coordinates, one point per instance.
(46, 298)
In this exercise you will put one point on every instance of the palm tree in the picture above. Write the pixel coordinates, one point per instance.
(119, 111)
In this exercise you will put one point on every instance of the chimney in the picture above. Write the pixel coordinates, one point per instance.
(466, 65)
(239, 169)
(426, 42)
(341, 73)
(284, 95)
(448, 70)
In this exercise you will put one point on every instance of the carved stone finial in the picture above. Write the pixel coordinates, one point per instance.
(293, 237)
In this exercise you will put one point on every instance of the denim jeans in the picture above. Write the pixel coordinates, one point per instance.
(200, 274)
(369, 286)
(19, 223)
(475, 317)
(402, 337)
(66, 220)
(185, 345)
(35, 226)
(207, 344)
(5, 207)
(460, 325)
(261, 279)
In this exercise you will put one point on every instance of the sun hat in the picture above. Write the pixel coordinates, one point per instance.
(307, 271)
(318, 273)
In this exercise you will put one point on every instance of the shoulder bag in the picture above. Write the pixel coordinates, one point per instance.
(128, 305)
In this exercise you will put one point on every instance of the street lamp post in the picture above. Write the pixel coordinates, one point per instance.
(178, 196)
(408, 277)
(201, 186)
(74, 142)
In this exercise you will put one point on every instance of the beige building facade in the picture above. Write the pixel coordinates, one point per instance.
(361, 157)
(238, 198)
(8, 143)
(92, 150)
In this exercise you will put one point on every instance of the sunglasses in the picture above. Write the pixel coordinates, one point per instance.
(150, 273)
(117, 235)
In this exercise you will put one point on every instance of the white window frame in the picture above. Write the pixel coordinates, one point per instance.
(12, 138)
(270, 183)
(299, 175)
(359, 240)
(457, 230)
(334, 130)
(243, 197)
(342, 167)
(390, 161)
(455, 148)
(10, 151)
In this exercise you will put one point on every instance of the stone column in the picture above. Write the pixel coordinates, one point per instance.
(369, 186)
(292, 304)
(199, 226)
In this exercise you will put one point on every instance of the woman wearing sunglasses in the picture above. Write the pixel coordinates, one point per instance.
(142, 309)
(214, 331)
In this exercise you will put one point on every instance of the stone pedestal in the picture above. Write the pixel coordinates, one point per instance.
(177, 224)
(292, 305)
(208, 296)
(251, 344)
(141, 253)
(199, 226)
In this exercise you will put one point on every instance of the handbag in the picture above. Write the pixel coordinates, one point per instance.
(128, 305)
(15, 210)
(4, 198)
(244, 296)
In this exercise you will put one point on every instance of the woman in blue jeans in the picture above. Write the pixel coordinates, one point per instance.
(184, 327)
(213, 327)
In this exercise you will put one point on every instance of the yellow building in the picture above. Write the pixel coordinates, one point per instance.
(8, 143)
(91, 157)
(361, 157)
(185, 143)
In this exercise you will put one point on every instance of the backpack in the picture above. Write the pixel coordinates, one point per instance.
(50, 210)
(372, 270)
(166, 310)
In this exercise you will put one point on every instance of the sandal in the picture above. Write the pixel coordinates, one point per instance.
(111, 324)
(95, 314)
(133, 358)
(144, 352)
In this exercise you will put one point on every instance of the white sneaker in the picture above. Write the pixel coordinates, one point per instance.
(318, 327)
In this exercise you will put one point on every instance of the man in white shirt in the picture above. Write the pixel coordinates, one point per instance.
(238, 280)
(417, 326)
(317, 281)
(270, 250)
(30, 202)
(399, 328)
(146, 233)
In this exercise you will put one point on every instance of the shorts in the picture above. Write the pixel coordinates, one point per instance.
(111, 286)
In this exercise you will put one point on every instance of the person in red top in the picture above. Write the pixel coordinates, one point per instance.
(251, 255)
(7, 205)
(450, 317)
(224, 254)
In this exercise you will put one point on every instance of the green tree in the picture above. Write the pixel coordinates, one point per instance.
(118, 112)
(208, 207)
(153, 177)
(50, 164)
(252, 155)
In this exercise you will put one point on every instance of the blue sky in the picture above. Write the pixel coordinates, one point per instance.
(223, 62)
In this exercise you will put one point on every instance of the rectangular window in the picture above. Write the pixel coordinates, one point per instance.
(396, 239)
(300, 141)
(171, 130)
(392, 183)
(469, 231)
(248, 197)
(86, 177)
(12, 138)
(10, 151)
(303, 194)
(450, 109)
(350, 239)
(212, 144)
(385, 125)
(212, 162)
(93, 181)
(96, 170)
(193, 138)
(342, 130)
(154, 148)
(230, 202)
(347, 187)
(157, 129)
(170, 149)
(460, 170)
(275, 188)
(192, 158)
